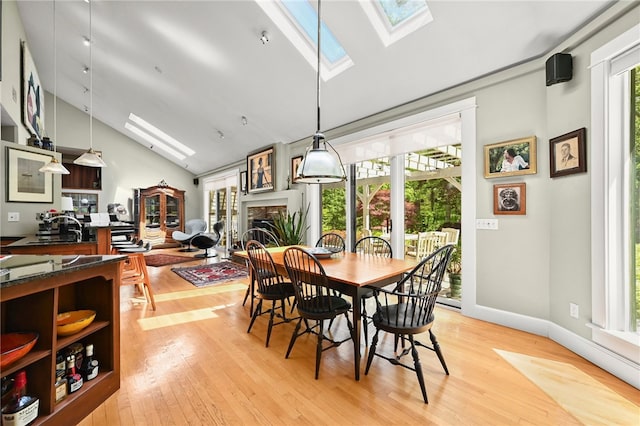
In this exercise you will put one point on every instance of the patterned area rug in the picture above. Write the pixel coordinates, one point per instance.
(165, 259)
(212, 273)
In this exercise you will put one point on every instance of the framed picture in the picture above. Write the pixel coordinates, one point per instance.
(32, 95)
(295, 163)
(567, 153)
(261, 170)
(243, 182)
(25, 184)
(510, 198)
(516, 157)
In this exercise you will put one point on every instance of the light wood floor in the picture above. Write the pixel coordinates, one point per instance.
(191, 362)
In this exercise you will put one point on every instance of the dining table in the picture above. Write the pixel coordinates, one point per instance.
(353, 275)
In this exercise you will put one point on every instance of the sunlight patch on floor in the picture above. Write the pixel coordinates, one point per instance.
(216, 289)
(582, 396)
(171, 320)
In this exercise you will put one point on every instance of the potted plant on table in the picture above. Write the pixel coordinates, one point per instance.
(455, 271)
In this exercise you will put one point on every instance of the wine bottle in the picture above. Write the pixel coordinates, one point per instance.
(61, 381)
(23, 409)
(74, 380)
(89, 368)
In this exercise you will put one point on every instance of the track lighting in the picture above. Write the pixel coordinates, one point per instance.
(264, 37)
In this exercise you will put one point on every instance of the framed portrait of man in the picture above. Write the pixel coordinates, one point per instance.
(567, 153)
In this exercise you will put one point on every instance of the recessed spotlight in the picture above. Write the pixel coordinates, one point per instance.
(158, 69)
(243, 120)
(86, 41)
(264, 37)
(220, 134)
(85, 69)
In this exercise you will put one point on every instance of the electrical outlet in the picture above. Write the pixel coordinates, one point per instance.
(574, 310)
(487, 224)
(13, 217)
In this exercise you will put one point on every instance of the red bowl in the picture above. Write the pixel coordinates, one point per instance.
(14, 346)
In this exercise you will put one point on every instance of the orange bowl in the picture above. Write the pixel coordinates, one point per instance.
(15, 345)
(68, 323)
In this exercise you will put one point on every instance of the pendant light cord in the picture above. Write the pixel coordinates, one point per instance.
(55, 81)
(90, 80)
(318, 73)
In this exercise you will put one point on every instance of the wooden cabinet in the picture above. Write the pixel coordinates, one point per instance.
(90, 282)
(161, 211)
(82, 177)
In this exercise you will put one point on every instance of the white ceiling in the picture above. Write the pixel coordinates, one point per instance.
(214, 69)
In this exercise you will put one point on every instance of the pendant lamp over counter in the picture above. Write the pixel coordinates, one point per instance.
(90, 158)
(319, 165)
(54, 166)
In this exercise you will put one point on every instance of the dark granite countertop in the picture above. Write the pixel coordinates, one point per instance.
(46, 241)
(19, 269)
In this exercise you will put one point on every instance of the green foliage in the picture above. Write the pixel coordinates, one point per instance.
(455, 261)
(334, 215)
(291, 228)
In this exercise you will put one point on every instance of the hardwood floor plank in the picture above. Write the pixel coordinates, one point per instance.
(192, 362)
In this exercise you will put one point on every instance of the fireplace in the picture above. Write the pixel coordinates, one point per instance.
(265, 206)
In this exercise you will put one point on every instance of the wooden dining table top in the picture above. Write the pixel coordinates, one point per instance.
(350, 268)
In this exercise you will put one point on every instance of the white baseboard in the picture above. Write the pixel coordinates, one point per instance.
(615, 364)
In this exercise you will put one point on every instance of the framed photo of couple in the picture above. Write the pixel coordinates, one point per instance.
(567, 153)
(510, 158)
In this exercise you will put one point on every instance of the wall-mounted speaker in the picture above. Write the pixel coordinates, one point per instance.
(559, 68)
(196, 181)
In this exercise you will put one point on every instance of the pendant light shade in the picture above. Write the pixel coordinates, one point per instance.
(319, 165)
(90, 158)
(54, 166)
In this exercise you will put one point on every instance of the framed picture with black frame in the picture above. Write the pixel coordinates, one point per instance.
(568, 153)
(25, 183)
(243, 182)
(295, 163)
(261, 170)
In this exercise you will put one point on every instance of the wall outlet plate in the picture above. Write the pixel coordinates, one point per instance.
(13, 216)
(574, 310)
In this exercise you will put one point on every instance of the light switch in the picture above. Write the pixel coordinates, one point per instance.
(491, 224)
(13, 217)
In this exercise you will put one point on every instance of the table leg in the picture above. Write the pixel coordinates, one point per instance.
(356, 300)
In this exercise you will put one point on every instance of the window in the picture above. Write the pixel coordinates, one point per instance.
(298, 21)
(614, 194)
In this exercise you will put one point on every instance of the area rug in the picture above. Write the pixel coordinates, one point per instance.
(165, 259)
(213, 273)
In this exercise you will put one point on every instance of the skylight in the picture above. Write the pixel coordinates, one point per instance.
(395, 19)
(298, 21)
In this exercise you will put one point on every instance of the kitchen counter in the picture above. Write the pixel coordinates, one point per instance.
(66, 244)
(19, 269)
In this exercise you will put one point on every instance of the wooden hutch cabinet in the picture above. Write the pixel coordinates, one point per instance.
(161, 211)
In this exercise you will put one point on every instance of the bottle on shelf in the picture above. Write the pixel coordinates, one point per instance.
(23, 408)
(74, 380)
(61, 381)
(89, 368)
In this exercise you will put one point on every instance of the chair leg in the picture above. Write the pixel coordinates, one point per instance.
(365, 322)
(319, 346)
(293, 338)
(255, 315)
(436, 348)
(271, 315)
(418, 368)
(372, 351)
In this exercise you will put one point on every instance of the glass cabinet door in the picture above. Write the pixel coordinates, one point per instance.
(173, 212)
(152, 211)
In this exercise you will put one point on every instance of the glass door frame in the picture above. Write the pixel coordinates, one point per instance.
(228, 181)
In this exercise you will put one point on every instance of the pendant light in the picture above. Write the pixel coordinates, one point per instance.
(319, 165)
(54, 166)
(90, 158)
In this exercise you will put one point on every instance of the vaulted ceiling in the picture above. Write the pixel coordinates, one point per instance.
(195, 68)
